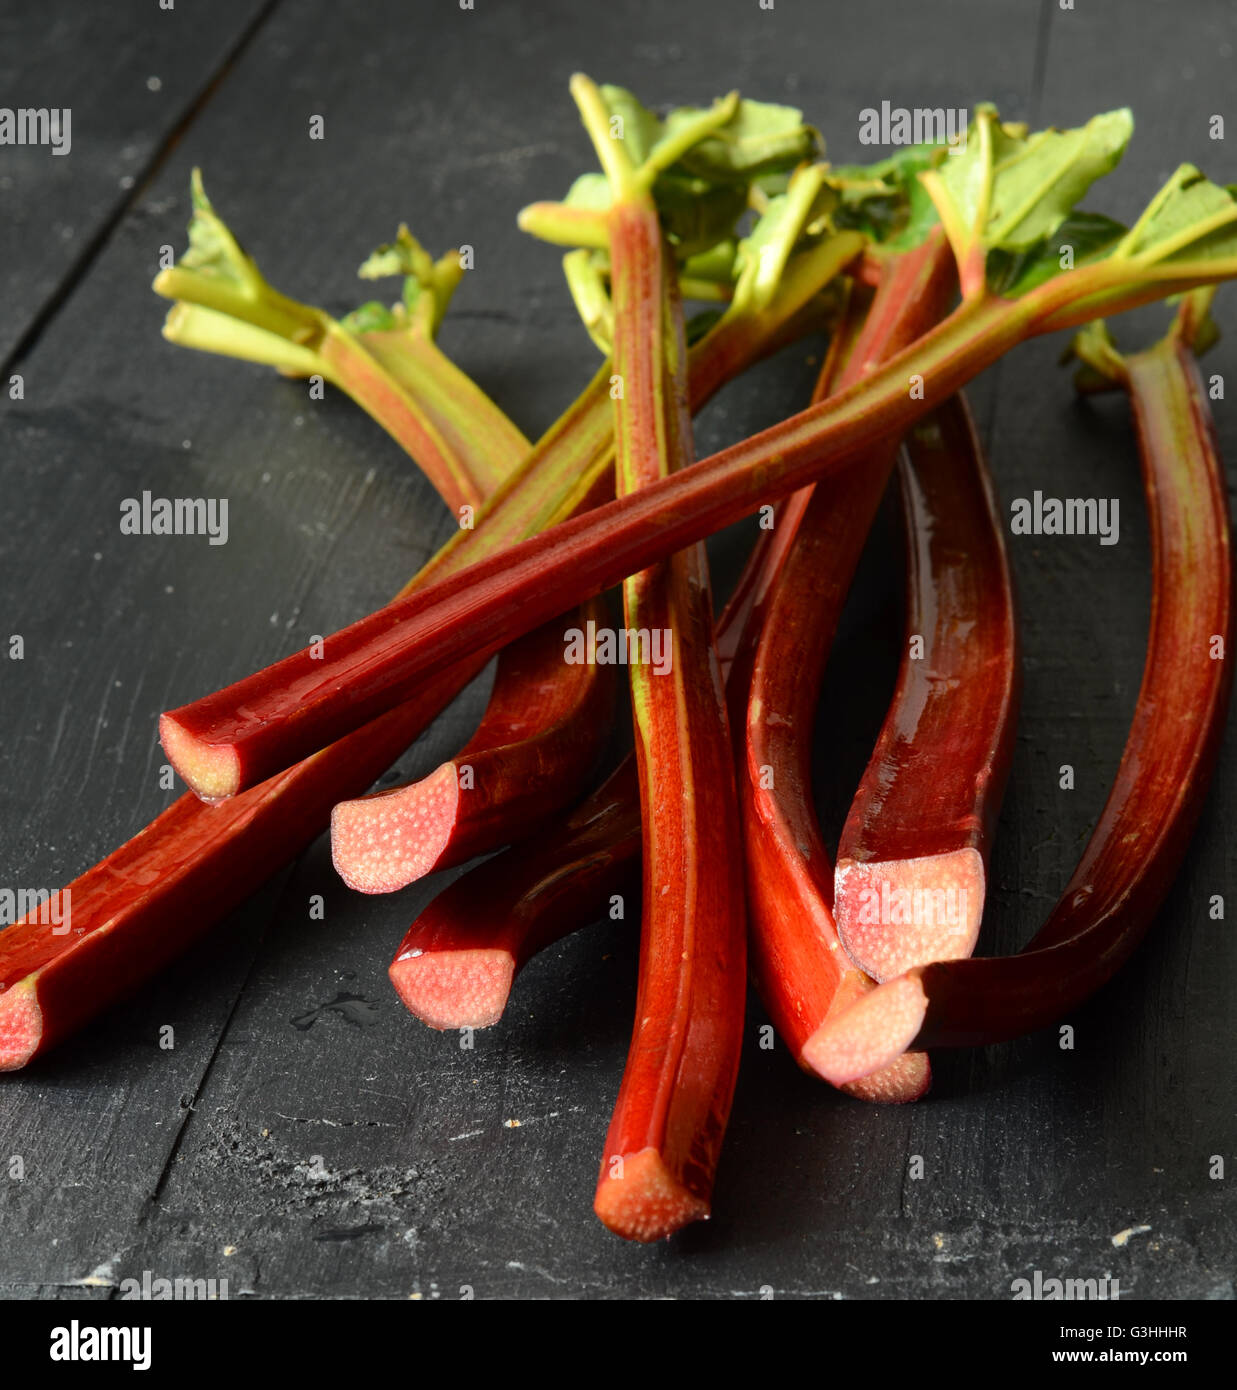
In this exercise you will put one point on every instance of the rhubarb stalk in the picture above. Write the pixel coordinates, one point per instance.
(545, 723)
(797, 963)
(1186, 238)
(455, 966)
(912, 859)
(386, 361)
(152, 898)
(1138, 844)
(665, 1135)
(533, 753)
(456, 963)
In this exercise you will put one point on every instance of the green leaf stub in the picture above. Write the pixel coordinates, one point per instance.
(213, 250)
(1010, 190)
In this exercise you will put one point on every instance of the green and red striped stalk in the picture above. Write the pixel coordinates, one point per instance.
(665, 1135)
(546, 722)
(459, 439)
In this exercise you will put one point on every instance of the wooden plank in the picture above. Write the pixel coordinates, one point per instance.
(331, 1145)
(130, 73)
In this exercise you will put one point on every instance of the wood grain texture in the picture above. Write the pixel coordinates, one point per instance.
(131, 74)
(303, 1120)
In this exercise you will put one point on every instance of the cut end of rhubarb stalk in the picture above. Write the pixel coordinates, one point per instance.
(210, 772)
(21, 1025)
(895, 914)
(638, 1199)
(454, 989)
(871, 1035)
(390, 839)
(903, 1081)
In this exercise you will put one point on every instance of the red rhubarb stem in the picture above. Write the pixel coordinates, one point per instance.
(496, 791)
(912, 859)
(237, 736)
(665, 1135)
(546, 722)
(455, 966)
(799, 969)
(1137, 847)
(229, 740)
(151, 899)
(456, 963)
(466, 446)
(533, 754)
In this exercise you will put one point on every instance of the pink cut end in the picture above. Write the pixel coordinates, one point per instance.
(388, 840)
(21, 1025)
(871, 1035)
(901, 1082)
(895, 914)
(454, 989)
(639, 1200)
(210, 772)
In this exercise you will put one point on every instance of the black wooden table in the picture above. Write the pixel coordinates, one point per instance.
(305, 1136)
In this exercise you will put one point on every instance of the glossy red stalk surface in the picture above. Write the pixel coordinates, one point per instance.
(226, 741)
(797, 962)
(913, 855)
(665, 1134)
(1137, 847)
(229, 740)
(152, 898)
(533, 754)
(545, 723)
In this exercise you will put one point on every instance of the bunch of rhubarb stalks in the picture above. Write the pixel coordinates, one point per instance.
(923, 270)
